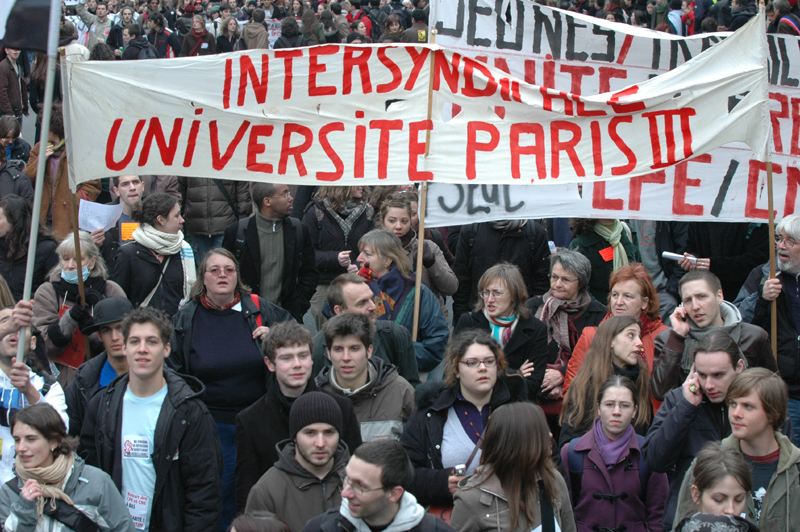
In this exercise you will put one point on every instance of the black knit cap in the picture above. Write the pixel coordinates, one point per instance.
(314, 407)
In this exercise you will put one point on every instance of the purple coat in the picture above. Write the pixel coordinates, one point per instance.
(630, 508)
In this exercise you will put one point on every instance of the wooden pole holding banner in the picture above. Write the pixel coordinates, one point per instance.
(422, 205)
(773, 326)
(79, 263)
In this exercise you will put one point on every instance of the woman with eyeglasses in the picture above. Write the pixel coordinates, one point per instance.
(566, 309)
(217, 340)
(632, 294)
(616, 350)
(501, 311)
(443, 436)
(609, 483)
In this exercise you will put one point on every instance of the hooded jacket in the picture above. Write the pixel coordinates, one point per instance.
(485, 507)
(12, 181)
(81, 390)
(781, 504)
(186, 453)
(92, 492)
(667, 371)
(424, 432)
(411, 517)
(382, 406)
(255, 36)
(679, 431)
(293, 493)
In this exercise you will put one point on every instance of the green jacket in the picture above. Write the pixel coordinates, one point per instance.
(589, 245)
(781, 501)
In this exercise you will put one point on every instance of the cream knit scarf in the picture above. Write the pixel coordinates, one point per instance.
(169, 244)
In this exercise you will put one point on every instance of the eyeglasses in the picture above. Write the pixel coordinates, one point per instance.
(358, 488)
(286, 195)
(216, 271)
(566, 280)
(493, 293)
(302, 357)
(474, 362)
(790, 242)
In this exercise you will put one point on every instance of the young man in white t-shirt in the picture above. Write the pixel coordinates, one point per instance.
(151, 432)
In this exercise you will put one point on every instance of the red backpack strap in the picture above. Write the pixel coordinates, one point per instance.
(254, 297)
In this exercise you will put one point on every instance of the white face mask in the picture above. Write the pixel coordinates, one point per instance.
(72, 276)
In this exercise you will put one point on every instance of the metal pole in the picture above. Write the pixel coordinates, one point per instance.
(774, 305)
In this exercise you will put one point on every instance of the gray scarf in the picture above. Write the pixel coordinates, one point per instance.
(348, 215)
(508, 225)
(732, 324)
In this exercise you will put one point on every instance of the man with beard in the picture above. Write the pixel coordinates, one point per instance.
(755, 303)
(307, 478)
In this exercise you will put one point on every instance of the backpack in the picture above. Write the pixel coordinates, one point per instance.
(378, 19)
(401, 12)
(148, 52)
(575, 470)
(472, 230)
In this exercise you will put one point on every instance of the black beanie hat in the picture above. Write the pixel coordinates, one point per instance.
(314, 407)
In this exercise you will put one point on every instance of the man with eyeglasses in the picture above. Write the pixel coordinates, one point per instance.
(307, 478)
(276, 258)
(382, 398)
(376, 496)
(262, 426)
(755, 303)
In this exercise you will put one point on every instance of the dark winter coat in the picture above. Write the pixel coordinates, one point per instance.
(263, 425)
(299, 264)
(671, 236)
(80, 391)
(13, 91)
(137, 270)
(134, 48)
(529, 342)
(640, 509)
(187, 455)
(165, 42)
(423, 435)
(14, 272)
(13, 181)
(189, 42)
(677, 434)
(589, 245)
(490, 246)
(205, 209)
(328, 239)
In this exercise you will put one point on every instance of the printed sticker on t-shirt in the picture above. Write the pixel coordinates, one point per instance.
(135, 447)
(137, 506)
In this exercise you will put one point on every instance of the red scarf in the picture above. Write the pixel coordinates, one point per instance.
(199, 40)
(211, 306)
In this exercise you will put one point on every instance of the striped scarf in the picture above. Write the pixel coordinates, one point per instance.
(502, 328)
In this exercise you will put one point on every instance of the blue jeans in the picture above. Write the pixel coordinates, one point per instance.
(227, 438)
(794, 415)
(202, 244)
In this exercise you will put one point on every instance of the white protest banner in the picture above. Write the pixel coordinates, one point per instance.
(685, 192)
(337, 114)
(273, 29)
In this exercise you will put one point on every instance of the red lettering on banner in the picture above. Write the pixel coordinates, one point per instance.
(385, 127)
(397, 75)
(682, 182)
(247, 69)
(635, 197)
(217, 162)
(557, 146)
(192, 142)
(580, 109)
(361, 140)
(315, 67)
(619, 143)
(548, 95)
(750, 209)
(361, 60)
(536, 149)
(601, 202)
(256, 148)
(416, 149)
(597, 149)
(226, 87)
(419, 61)
(288, 56)
(112, 141)
(167, 151)
(623, 108)
(792, 181)
(469, 90)
(669, 133)
(441, 71)
(549, 74)
(530, 71)
(794, 147)
(287, 150)
(331, 153)
(474, 146)
(775, 115)
(623, 51)
(606, 74)
(577, 72)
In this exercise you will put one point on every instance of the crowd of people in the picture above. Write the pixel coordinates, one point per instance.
(259, 357)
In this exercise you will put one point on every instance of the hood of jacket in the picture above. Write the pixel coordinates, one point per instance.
(252, 30)
(788, 456)
(729, 313)
(300, 475)
(407, 517)
(381, 375)
(439, 396)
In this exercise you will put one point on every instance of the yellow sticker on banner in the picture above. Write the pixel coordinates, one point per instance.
(126, 233)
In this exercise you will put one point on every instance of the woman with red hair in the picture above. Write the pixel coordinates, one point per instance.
(631, 294)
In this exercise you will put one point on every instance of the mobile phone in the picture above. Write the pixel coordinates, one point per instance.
(676, 257)
(460, 470)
